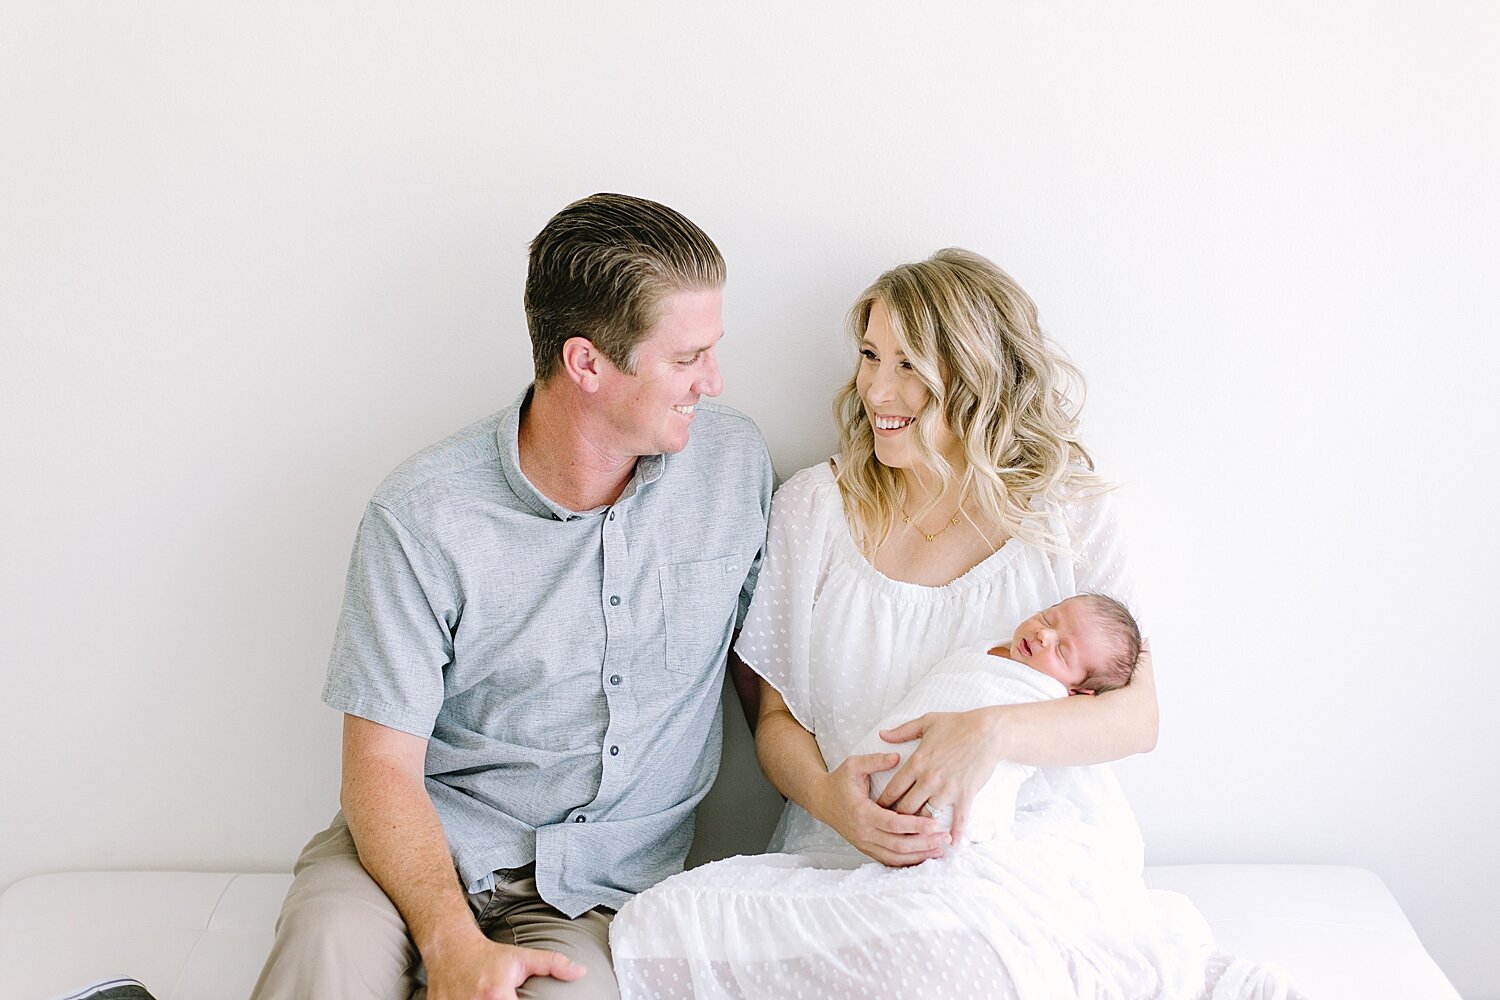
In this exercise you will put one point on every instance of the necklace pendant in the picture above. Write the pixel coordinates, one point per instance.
(934, 536)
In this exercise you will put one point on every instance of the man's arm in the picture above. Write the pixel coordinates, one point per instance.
(746, 685)
(402, 845)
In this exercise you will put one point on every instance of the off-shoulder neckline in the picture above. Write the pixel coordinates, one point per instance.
(976, 575)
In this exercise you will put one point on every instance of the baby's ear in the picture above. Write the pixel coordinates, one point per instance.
(1081, 691)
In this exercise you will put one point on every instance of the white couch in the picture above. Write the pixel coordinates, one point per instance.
(202, 935)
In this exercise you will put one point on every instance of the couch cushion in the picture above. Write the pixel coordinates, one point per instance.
(203, 936)
(185, 935)
(1338, 930)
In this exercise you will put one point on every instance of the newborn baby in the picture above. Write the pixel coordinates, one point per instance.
(1083, 645)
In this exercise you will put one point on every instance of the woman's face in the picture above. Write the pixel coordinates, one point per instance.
(893, 396)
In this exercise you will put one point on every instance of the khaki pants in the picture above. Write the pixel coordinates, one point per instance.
(339, 937)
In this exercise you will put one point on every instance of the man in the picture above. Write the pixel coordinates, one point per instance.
(529, 654)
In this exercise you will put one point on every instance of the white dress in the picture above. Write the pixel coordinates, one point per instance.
(1053, 907)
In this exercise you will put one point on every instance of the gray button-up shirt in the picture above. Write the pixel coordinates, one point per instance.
(564, 666)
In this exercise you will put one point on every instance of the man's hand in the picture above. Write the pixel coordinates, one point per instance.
(402, 846)
(883, 834)
(481, 969)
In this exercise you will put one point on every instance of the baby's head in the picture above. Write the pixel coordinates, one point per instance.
(1090, 643)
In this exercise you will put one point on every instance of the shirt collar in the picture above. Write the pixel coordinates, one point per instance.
(648, 469)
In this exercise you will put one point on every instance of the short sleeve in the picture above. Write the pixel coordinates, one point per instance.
(1101, 558)
(767, 485)
(776, 639)
(395, 632)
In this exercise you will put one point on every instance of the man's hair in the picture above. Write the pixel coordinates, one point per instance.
(600, 269)
(1123, 632)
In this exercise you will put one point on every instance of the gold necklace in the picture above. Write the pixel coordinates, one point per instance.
(932, 537)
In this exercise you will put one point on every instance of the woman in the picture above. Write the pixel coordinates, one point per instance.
(961, 502)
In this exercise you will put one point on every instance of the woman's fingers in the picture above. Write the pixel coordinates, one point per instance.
(894, 839)
(960, 821)
(866, 764)
(904, 825)
(909, 835)
(907, 731)
(915, 789)
(909, 849)
(906, 860)
(900, 784)
(912, 802)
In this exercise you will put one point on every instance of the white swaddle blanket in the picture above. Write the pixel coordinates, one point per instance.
(966, 679)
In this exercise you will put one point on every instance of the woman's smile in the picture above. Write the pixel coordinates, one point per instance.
(888, 425)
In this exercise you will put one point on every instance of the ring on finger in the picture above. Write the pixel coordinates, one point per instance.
(927, 808)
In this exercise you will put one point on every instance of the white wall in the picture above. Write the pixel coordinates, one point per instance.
(251, 256)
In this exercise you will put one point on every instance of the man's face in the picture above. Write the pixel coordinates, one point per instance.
(649, 412)
(1064, 642)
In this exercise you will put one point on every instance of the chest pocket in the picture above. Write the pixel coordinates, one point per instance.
(698, 601)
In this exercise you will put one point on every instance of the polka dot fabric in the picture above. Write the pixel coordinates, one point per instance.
(1054, 907)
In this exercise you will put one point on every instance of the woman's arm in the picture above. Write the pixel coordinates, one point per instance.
(790, 757)
(1094, 730)
(959, 750)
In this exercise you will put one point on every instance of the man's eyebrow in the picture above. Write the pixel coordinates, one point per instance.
(693, 352)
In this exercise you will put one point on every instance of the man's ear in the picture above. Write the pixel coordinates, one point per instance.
(582, 362)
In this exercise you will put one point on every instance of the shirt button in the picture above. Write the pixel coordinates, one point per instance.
(611, 515)
(614, 600)
(580, 819)
(614, 678)
(614, 751)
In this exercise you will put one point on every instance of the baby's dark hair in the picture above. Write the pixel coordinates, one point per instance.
(1122, 629)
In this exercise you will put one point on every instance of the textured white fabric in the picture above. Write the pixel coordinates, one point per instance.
(844, 643)
(1339, 928)
(1055, 907)
(958, 682)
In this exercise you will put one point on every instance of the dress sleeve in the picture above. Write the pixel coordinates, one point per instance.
(1101, 559)
(776, 639)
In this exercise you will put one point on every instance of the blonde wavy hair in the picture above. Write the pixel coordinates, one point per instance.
(971, 336)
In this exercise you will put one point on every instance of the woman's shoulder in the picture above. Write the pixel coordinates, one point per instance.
(808, 488)
(1082, 505)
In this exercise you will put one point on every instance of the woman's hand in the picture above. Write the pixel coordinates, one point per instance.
(887, 836)
(957, 755)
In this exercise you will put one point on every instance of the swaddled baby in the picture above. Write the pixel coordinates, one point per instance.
(1083, 645)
